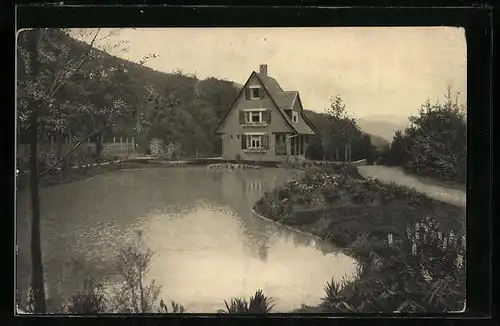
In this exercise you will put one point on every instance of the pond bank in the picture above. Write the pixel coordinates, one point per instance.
(181, 224)
(449, 193)
(82, 172)
(402, 240)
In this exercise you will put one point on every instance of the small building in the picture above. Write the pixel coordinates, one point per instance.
(265, 123)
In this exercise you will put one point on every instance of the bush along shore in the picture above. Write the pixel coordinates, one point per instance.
(410, 249)
(131, 292)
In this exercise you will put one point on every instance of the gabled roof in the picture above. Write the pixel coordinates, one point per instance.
(303, 124)
(286, 100)
(283, 100)
(270, 83)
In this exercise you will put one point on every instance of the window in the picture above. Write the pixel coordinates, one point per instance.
(253, 116)
(295, 116)
(254, 141)
(254, 92)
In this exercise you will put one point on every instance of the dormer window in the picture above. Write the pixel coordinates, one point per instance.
(295, 116)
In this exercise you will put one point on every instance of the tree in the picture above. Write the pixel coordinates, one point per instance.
(344, 128)
(398, 156)
(38, 286)
(435, 142)
(105, 100)
(46, 104)
(368, 149)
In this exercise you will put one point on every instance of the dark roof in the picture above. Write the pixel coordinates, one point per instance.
(270, 83)
(283, 99)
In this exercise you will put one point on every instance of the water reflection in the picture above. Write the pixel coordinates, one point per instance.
(208, 245)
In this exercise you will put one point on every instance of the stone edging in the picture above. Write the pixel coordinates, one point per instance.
(287, 226)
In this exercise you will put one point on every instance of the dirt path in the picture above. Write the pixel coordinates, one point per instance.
(393, 174)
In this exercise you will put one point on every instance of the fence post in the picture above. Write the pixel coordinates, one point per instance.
(121, 146)
(133, 144)
(126, 146)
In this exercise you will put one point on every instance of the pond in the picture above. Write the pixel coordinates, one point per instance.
(208, 245)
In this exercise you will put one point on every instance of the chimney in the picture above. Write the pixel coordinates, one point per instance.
(263, 70)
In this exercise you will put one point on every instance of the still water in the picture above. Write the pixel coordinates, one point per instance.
(208, 245)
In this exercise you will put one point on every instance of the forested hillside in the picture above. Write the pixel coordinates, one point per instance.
(110, 97)
(121, 97)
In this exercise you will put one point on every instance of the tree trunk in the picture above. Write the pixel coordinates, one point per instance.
(98, 146)
(350, 151)
(38, 285)
(323, 142)
(36, 251)
(59, 143)
(336, 153)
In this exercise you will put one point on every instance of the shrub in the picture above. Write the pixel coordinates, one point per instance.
(134, 294)
(333, 295)
(156, 147)
(177, 308)
(259, 304)
(89, 300)
(434, 144)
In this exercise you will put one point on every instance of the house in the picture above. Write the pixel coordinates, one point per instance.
(265, 123)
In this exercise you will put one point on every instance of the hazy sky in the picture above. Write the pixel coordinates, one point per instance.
(378, 71)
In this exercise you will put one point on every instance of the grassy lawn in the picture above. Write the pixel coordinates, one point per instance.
(410, 248)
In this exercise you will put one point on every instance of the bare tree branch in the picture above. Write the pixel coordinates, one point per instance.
(54, 88)
(53, 166)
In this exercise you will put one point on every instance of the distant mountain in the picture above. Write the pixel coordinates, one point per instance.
(377, 141)
(381, 127)
(394, 118)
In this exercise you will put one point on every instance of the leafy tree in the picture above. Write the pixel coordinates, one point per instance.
(339, 132)
(435, 142)
(49, 103)
(369, 149)
(398, 155)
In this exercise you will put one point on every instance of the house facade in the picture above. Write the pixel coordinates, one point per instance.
(265, 123)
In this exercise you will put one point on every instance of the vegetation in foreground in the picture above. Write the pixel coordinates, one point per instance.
(258, 304)
(134, 293)
(410, 248)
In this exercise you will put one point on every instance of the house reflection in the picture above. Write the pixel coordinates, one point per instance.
(241, 189)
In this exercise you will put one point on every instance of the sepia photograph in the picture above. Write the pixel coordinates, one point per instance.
(240, 170)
